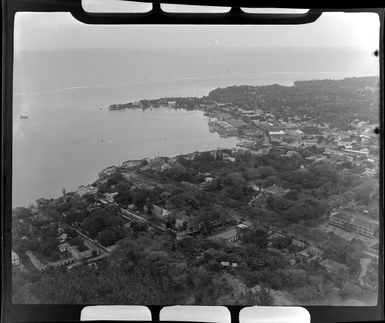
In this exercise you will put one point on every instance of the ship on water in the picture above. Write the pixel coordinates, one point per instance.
(21, 116)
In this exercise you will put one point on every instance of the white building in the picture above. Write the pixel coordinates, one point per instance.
(85, 190)
(15, 259)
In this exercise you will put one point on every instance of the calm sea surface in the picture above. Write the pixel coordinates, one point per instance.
(70, 135)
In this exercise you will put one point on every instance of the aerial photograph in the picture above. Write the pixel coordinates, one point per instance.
(196, 164)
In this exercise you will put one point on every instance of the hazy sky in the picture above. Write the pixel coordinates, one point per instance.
(61, 30)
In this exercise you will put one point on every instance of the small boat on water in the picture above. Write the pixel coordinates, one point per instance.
(21, 116)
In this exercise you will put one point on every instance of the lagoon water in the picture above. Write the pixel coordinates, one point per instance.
(70, 135)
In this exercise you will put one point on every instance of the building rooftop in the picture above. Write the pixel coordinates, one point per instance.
(314, 250)
(280, 132)
(354, 220)
(225, 234)
(225, 125)
(159, 211)
(332, 265)
(14, 255)
(275, 189)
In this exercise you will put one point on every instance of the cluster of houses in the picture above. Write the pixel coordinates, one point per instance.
(309, 253)
(70, 255)
(260, 131)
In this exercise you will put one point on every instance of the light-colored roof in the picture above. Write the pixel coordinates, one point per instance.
(280, 132)
(332, 265)
(354, 220)
(275, 189)
(226, 234)
(14, 256)
(159, 211)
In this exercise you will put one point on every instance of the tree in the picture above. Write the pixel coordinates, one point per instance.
(256, 237)
(277, 202)
(351, 291)
(139, 198)
(264, 297)
(123, 198)
(115, 179)
(107, 237)
(204, 157)
(265, 171)
(292, 195)
(371, 277)
(306, 209)
(90, 198)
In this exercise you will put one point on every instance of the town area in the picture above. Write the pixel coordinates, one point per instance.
(288, 216)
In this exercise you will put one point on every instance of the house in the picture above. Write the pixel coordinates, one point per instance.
(156, 163)
(291, 259)
(110, 197)
(335, 155)
(42, 202)
(208, 179)
(227, 127)
(225, 263)
(181, 235)
(229, 158)
(160, 212)
(278, 134)
(351, 223)
(63, 246)
(254, 185)
(358, 153)
(295, 134)
(62, 262)
(298, 243)
(75, 253)
(85, 190)
(93, 207)
(332, 266)
(35, 262)
(310, 142)
(230, 235)
(189, 185)
(237, 123)
(337, 200)
(131, 164)
(243, 226)
(274, 190)
(182, 220)
(15, 259)
(63, 237)
(108, 171)
(186, 223)
(165, 167)
(311, 252)
(314, 251)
